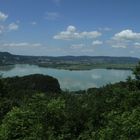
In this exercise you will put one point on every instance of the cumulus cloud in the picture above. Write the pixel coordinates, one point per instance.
(125, 38)
(71, 34)
(97, 43)
(3, 16)
(52, 15)
(13, 26)
(127, 35)
(71, 28)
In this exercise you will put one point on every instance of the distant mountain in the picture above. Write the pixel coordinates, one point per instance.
(7, 58)
(98, 59)
(61, 61)
(5, 54)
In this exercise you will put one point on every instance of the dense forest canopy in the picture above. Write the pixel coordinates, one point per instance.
(31, 109)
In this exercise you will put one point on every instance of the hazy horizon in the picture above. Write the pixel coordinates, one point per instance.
(69, 55)
(70, 28)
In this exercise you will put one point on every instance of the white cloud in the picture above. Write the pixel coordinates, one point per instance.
(10, 27)
(24, 48)
(71, 34)
(1, 29)
(92, 34)
(137, 45)
(22, 44)
(13, 26)
(107, 29)
(127, 35)
(6, 28)
(33, 23)
(16, 44)
(52, 16)
(97, 43)
(119, 46)
(118, 43)
(3, 16)
(36, 45)
(71, 28)
(79, 49)
(77, 46)
(125, 38)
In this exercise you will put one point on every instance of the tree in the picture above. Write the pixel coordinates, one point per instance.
(20, 124)
(54, 120)
(1, 88)
(137, 71)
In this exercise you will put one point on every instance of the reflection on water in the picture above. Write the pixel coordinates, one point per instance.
(3, 69)
(71, 80)
(6, 68)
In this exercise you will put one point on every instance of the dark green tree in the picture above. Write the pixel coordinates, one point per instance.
(1, 88)
(137, 71)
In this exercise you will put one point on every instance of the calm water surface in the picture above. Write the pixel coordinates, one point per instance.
(70, 80)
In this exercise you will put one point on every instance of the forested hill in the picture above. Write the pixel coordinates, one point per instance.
(7, 58)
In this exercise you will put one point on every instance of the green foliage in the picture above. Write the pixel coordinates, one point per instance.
(121, 126)
(55, 119)
(2, 90)
(36, 82)
(137, 71)
(5, 106)
(20, 124)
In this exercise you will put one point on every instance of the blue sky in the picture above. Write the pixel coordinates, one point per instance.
(70, 27)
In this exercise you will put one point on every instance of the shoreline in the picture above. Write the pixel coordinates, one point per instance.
(79, 67)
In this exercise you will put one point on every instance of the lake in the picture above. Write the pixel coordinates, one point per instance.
(70, 80)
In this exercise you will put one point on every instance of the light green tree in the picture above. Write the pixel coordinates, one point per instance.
(20, 124)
